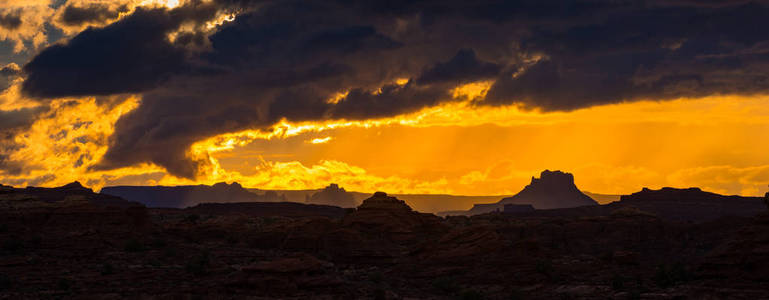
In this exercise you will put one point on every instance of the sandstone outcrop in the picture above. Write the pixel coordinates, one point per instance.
(332, 195)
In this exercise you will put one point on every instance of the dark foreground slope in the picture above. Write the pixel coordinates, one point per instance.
(382, 250)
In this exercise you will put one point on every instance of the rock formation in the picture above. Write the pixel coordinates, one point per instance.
(69, 194)
(388, 216)
(333, 195)
(766, 199)
(68, 247)
(380, 201)
(691, 204)
(553, 189)
(189, 195)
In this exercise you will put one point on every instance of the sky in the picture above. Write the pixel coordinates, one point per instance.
(456, 97)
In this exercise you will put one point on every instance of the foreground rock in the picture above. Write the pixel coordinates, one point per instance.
(383, 249)
(265, 209)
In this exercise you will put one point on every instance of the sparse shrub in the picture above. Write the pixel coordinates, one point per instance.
(544, 267)
(6, 282)
(34, 241)
(515, 294)
(471, 295)
(634, 295)
(630, 211)
(680, 273)
(63, 284)
(158, 243)
(198, 265)
(748, 266)
(3, 228)
(376, 277)
(618, 282)
(662, 277)
(107, 269)
(445, 284)
(13, 245)
(565, 296)
(133, 245)
(667, 276)
(154, 262)
(380, 294)
(194, 218)
(170, 252)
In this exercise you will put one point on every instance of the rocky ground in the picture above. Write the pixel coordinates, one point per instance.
(78, 247)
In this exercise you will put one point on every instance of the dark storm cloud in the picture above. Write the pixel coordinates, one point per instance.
(7, 74)
(13, 119)
(10, 21)
(463, 68)
(76, 15)
(131, 55)
(10, 70)
(684, 52)
(284, 59)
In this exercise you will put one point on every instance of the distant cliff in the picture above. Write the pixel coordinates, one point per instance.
(670, 204)
(189, 195)
(691, 204)
(332, 195)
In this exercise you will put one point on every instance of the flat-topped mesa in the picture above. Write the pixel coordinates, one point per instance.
(553, 189)
(380, 201)
(669, 194)
(555, 179)
(332, 195)
(75, 186)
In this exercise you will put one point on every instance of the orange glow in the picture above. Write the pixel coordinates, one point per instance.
(716, 143)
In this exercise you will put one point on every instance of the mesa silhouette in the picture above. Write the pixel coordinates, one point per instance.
(668, 243)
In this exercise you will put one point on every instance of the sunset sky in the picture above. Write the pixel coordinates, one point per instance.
(459, 97)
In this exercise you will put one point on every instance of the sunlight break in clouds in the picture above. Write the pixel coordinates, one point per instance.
(320, 140)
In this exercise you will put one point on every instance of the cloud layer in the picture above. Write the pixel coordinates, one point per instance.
(201, 75)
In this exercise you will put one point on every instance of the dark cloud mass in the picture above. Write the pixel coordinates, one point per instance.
(284, 59)
(94, 13)
(10, 21)
(13, 119)
(131, 55)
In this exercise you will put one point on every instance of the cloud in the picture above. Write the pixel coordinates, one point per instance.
(23, 23)
(97, 13)
(13, 119)
(463, 68)
(285, 59)
(295, 175)
(8, 74)
(132, 55)
(10, 21)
